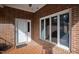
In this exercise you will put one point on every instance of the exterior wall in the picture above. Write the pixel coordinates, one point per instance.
(75, 30)
(7, 22)
(7, 30)
(50, 9)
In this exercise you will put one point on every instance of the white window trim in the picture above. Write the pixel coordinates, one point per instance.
(58, 27)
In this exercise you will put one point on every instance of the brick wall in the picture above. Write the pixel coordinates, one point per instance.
(50, 9)
(7, 29)
(7, 22)
(75, 29)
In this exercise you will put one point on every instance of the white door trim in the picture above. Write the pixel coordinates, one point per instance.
(30, 30)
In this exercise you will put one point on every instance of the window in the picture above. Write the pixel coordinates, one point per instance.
(28, 23)
(42, 29)
(64, 29)
(55, 28)
(47, 29)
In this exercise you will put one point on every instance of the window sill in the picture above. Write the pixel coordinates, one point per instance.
(63, 47)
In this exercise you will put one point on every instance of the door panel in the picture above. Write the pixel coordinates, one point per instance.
(64, 29)
(54, 29)
(21, 31)
(47, 28)
(42, 29)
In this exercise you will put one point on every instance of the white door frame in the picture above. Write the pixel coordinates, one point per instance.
(30, 31)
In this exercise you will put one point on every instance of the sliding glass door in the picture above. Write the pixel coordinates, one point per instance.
(64, 29)
(55, 28)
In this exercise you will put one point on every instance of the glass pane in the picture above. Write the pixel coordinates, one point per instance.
(28, 26)
(47, 29)
(42, 29)
(64, 29)
(54, 29)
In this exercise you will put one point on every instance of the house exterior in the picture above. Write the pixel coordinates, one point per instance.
(43, 41)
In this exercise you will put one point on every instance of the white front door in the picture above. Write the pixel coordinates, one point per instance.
(21, 31)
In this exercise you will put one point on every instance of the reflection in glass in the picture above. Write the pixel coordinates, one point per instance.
(47, 29)
(28, 26)
(54, 29)
(64, 29)
(42, 29)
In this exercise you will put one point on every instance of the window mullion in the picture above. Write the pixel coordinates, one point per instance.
(58, 30)
(40, 29)
(44, 30)
(50, 29)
